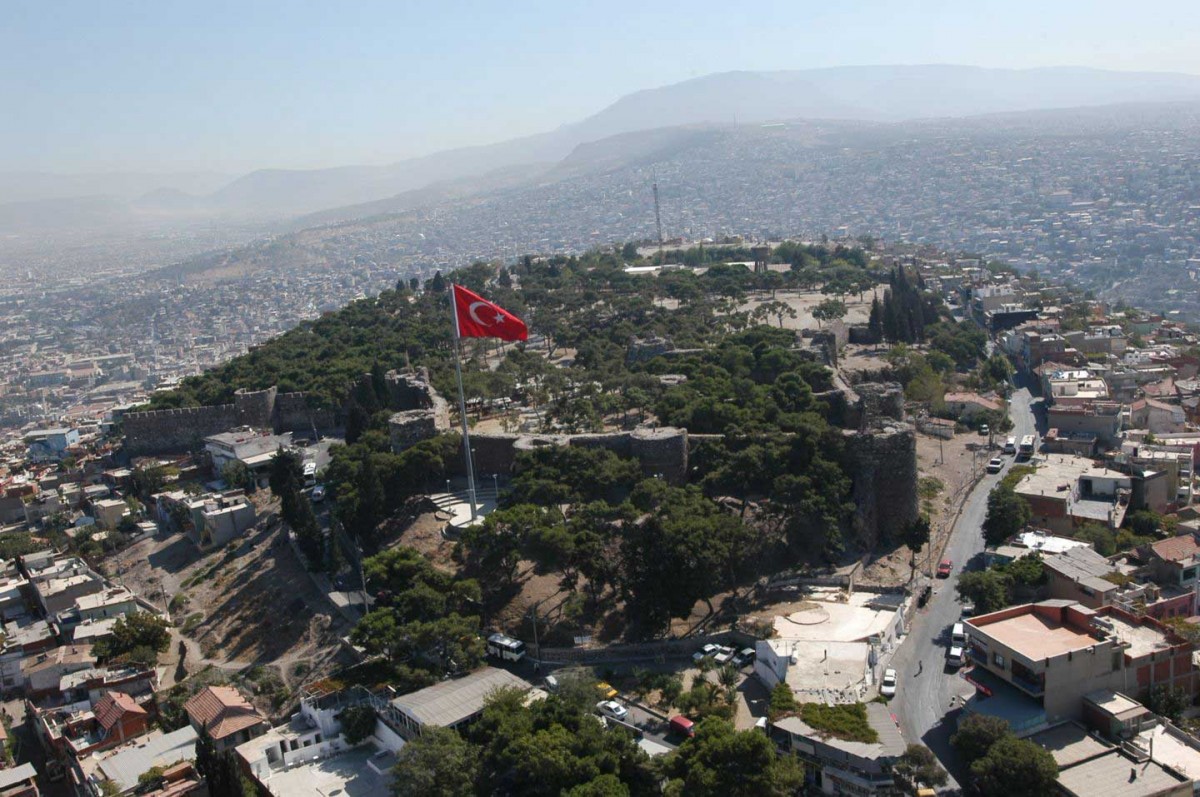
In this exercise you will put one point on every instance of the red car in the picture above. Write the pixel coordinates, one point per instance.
(943, 570)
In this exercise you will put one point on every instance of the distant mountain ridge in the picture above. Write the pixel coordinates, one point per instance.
(862, 93)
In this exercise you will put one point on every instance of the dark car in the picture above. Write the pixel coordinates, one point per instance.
(923, 596)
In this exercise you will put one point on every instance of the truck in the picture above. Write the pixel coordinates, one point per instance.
(505, 648)
(1025, 450)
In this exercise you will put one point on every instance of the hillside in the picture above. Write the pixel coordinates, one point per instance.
(862, 93)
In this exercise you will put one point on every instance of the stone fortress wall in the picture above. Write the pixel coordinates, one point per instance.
(881, 446)
(166, 431)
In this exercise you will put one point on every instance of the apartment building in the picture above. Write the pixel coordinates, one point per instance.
(1043, 658)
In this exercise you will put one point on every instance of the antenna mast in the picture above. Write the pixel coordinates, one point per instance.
(662, 258)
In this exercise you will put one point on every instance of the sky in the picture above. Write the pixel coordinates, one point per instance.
(229, 87)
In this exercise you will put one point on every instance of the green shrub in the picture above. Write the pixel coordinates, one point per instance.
(846, 721)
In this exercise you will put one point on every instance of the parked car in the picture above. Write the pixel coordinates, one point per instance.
(984, 430)
(606, 690)
(956, 656)
(318, 494)
(944, 568)
(887, 687)
(551, 683)
(708, 650)
(682, 726)
(725, 655)
(995, 465)
(611, 708)
(743, 657)
(923, 596)
(968, 608)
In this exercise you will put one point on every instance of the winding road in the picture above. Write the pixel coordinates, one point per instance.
(928, 692)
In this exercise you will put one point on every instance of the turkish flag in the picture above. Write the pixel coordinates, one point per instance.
(476, 317)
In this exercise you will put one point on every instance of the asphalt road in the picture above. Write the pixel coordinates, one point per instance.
(928, 690)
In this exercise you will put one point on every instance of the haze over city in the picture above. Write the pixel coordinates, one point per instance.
(233, 87)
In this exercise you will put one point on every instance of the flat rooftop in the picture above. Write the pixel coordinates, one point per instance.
(1115, 775)
(1035, 636)
(1143, 639)
(1070, 744)
(347, 774)
(1172, 749)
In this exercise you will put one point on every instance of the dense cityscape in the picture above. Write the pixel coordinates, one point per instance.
(610, 400)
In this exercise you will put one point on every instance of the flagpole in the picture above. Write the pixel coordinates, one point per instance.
(462, 403)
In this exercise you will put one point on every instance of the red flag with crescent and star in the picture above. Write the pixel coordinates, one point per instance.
(476, 317)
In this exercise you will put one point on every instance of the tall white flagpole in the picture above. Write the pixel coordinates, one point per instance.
(462, 402)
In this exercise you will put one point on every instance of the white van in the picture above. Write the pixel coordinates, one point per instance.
(958, 645)
(1010, 446)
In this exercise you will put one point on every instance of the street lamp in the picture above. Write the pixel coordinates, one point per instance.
(496, 485)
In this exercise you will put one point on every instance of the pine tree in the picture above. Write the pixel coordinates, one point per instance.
(437, 284)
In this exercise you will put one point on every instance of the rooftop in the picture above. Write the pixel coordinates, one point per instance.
(1070, 744)
(1116, 704)
(1172, 748)
(1083, 566)
(348, 774)
(1182, 548)
(123, 764)
(450, 702)
(890, 745)
(1114, 775)
(1035, 635)
(222, 710)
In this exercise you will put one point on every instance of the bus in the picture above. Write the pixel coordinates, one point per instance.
(505, 647)
(1025, 451)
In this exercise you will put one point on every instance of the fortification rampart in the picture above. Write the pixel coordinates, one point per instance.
(662, 451)
(883, 463)
(160, 431)
(164, 431)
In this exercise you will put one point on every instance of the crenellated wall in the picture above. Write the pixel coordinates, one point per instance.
(163, 431)
(160, 431)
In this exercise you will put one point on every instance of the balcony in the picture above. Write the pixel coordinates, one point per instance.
(1027, 681)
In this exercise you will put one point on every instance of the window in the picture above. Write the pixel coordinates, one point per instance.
(1189, 574)
(998, 660)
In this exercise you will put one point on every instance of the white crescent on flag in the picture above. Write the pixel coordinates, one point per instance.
(475, 318)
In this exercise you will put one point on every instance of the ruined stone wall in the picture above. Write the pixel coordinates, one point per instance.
(880, 401)
(406, 429)
(292, 414)
(160, 431)
(660, 451)
(882, 462)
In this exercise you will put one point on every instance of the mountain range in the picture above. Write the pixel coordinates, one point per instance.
(867, 94)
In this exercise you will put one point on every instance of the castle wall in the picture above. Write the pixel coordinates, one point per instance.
(255, 408)
(160, 431)
(660, 451)
(292, 414)
(883, 465)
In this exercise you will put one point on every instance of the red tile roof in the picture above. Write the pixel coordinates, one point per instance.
(222, 711)
(1176, 549)
(110, 709)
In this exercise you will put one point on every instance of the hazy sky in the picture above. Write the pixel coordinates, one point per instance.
(232, 86)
